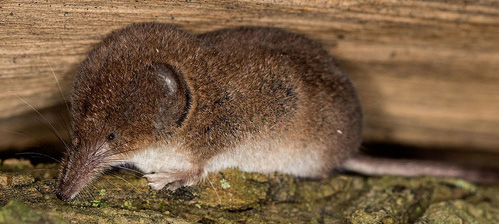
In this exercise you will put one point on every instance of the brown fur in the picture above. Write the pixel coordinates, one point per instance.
(234, 86)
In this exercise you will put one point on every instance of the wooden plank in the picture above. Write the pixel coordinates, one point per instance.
(426, 71)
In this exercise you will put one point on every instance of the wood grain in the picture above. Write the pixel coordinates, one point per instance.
(426, 71)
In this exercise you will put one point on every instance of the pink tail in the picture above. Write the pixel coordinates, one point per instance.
(375, 166)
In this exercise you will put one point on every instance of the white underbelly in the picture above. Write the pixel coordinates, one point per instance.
(268, 158)
(160, 159)
(257, 157)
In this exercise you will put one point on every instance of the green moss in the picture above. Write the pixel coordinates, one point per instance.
(16, 212)
(224, 184)
(127, 205)
(102, 192)
(232, 196)
(459, 211)
(15, 179)
(96, 203)
(236, 191)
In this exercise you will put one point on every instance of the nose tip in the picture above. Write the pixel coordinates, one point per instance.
(62, 196)
(59, 196)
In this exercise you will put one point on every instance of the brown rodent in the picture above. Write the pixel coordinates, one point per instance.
(178, 106)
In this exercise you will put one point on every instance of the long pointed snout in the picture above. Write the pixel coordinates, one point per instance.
(77, 171)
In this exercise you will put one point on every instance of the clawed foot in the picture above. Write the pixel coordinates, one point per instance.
(174, 180)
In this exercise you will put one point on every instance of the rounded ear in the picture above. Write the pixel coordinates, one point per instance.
(174, 107)
(168, 78)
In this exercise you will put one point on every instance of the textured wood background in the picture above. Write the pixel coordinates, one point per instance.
(426, 71)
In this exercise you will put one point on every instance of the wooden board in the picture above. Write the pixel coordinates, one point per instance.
(426, 71)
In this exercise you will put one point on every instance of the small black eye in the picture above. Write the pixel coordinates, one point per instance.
(111, 136)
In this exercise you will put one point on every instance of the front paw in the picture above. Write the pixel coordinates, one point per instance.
(158, 180)
(174, 180)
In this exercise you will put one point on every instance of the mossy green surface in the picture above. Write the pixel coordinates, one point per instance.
(232, 196)
(16, 212)
(459, 211)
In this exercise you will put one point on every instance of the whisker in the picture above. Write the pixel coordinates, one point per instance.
(110, 182)
(23, 133)
(38, 142)
(48, 180)
(94, 187)
(62, 94)
(131, 170)
(79, 197)
(56, 80)
(89, 192)
(100, 134)
(126, 181)
(39, 154)
(54, 131)
(216, 192)
(64, 124)
(118, 162)
(112, 151)
(98, 148)
(87, 195)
